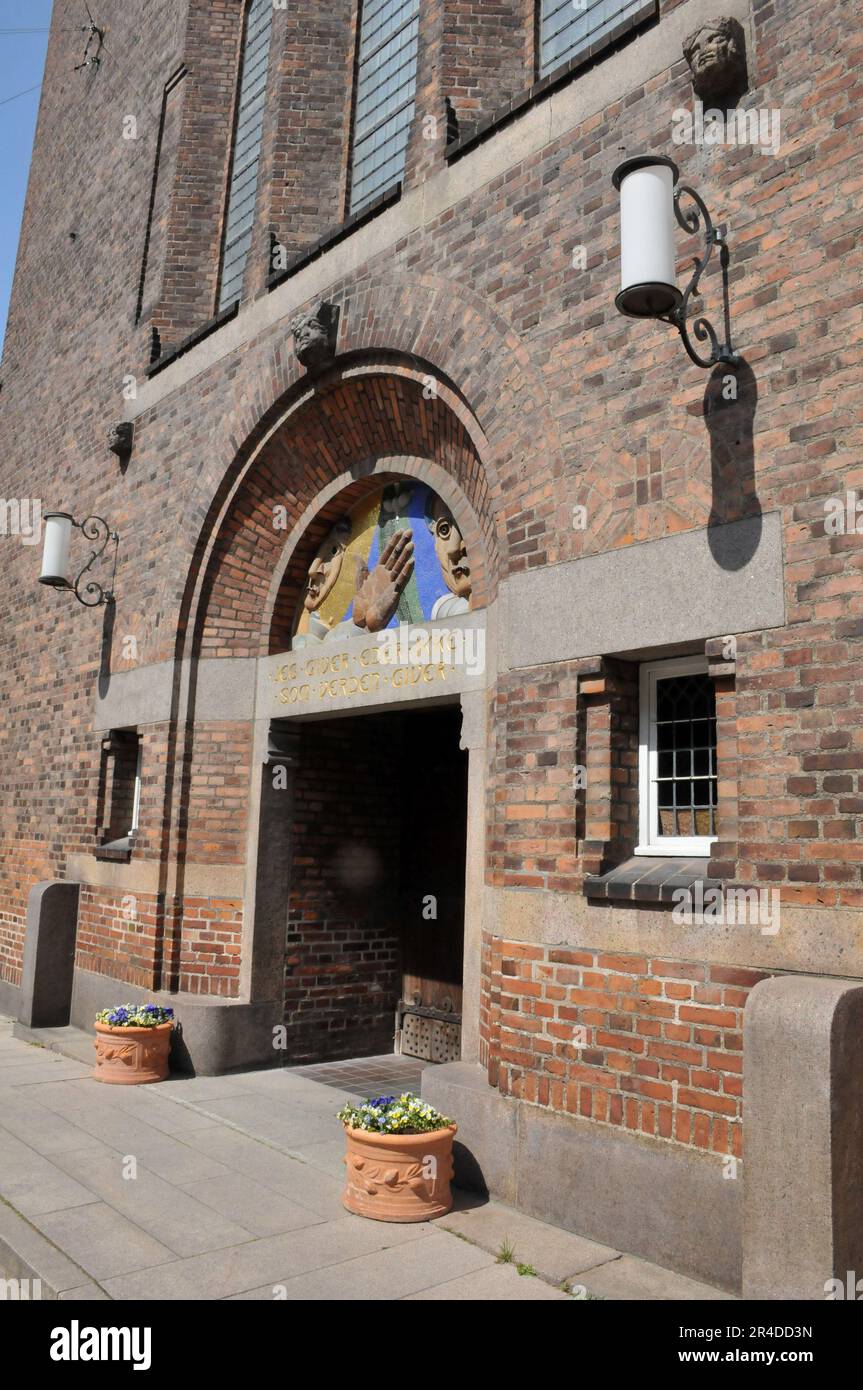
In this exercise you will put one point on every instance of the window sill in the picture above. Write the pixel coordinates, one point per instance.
(384, 200)
(115, 851)
(649, 881)
(211, 326)
(700, 848)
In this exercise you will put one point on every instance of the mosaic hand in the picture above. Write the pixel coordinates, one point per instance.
(378, 592)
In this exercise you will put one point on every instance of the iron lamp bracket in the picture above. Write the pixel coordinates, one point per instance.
(703, 330)
(88, 591)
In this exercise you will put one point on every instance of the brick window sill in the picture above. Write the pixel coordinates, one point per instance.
(645, 880)
(384, 200)
(116, 851)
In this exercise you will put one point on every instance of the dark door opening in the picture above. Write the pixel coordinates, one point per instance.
(376, 904)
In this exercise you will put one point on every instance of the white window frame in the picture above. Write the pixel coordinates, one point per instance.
(136, 796)
(649, 840)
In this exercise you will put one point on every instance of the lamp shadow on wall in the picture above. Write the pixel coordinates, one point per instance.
(730, 403)
(104, 678)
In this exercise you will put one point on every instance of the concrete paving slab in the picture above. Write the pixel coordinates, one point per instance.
(261, 1210)
(31, 1184)
(102, 1241)
(631, 1279)
(149, 1105)
(327, 1157)
(69, 1042)
(87, 1293)
(283, 1082)
(272, 1118)
(41, 1129)
(300, 1182)
(500, 1283)
(193, 1089)
(385, 1274)
(26, 1254)
(273, 1260)
(46, 1068)
(555, 1254)
(238, 1188)
(174, 1216)
(106, 1119)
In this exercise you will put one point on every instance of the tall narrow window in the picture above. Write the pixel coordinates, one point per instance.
(120, 794)
(571, 29)
(677, 772)
(386, 87)
(242, 193)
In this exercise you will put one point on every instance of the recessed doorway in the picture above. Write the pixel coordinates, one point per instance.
(375, 934)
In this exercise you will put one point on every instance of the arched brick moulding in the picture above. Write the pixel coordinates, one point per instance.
(309, 457)
(415, 326)
(340, 496)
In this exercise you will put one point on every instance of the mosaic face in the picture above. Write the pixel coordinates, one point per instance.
(398, 557)
(449, 548)
(326, 566)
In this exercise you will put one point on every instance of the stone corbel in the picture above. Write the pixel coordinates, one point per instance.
(316, 336)
(721, 653)
(120, 438)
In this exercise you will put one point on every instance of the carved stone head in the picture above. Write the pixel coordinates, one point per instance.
(120, 438)
(315, 336)
(716, 54)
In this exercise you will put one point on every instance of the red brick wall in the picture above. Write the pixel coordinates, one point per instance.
(574, 406)
(201, 162)
(304, 153)
(343, 968)
(118, 935)
(660, 1049)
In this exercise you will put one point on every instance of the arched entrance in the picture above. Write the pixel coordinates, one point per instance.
(352, 569)
(377, 817)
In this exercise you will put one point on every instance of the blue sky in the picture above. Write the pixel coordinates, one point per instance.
(22, 60)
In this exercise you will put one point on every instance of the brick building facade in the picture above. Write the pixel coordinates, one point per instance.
(620, 508)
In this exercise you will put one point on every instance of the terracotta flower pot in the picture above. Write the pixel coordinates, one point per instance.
(131, 1056)
(399, 1177)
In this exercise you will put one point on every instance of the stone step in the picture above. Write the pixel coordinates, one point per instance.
(69, 1042)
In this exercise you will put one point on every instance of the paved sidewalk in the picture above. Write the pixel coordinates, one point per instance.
(230, 1187)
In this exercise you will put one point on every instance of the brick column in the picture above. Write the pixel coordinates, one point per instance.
(721, 655)
(477, 56)
(304, 156)
(191, 239)
(609, 693)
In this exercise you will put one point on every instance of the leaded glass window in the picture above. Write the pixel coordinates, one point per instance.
(678, 757)
(570, 28)
(386, 88)
(243, 190)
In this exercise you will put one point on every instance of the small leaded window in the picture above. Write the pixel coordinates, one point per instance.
(678, 758)
(243, 191)
(570, 28)
(386, 87)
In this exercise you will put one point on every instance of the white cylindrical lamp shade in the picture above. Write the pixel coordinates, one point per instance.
(648, 287)
(55, 549)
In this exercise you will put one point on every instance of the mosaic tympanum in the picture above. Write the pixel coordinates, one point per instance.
(397, 557)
